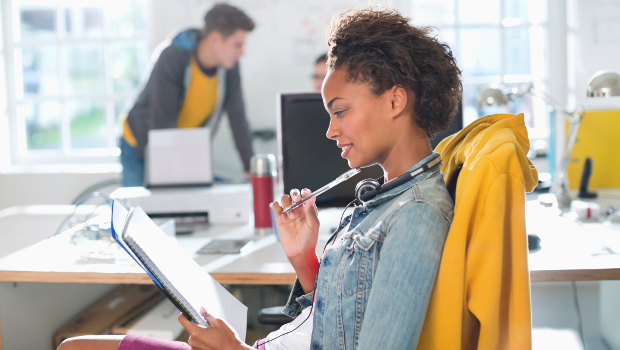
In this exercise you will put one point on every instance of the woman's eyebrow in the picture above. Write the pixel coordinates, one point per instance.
(330, 103)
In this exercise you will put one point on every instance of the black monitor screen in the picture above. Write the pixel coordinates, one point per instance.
(308, 159)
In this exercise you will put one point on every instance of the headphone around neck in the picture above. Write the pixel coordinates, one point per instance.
(366, 190)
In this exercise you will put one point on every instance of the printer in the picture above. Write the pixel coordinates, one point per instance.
(192, 207)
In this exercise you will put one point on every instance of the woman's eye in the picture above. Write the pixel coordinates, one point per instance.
(338, 113)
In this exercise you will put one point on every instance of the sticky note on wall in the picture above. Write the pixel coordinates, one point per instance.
(598, 138)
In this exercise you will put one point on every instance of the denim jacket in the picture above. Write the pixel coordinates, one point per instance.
(373, 290)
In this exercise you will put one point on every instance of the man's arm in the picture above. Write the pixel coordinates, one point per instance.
(236, 116)
(166, 87)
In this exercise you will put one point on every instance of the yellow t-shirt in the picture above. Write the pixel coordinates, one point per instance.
(198, 104)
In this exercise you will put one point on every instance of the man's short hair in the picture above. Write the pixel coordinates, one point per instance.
(226, 20)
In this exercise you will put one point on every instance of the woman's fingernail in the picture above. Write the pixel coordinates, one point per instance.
(291, 214)
(202, 310)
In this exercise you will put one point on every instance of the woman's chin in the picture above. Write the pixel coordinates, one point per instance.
(358, 164)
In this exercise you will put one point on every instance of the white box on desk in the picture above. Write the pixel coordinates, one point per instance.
(224, 204)
(161, 322)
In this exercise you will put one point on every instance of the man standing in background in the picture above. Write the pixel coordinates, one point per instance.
(193, 81)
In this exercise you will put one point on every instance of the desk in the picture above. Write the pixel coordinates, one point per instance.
(55, 274)
(564, 257)
(568, 251)
(263, 262)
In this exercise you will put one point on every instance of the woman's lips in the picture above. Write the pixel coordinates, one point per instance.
(345, 150)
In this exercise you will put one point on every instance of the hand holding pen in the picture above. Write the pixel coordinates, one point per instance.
(298, 231)
(349, 174)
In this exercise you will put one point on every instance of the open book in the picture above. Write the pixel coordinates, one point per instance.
(181, 279)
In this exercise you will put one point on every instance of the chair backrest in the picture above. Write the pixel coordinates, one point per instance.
(481, 295)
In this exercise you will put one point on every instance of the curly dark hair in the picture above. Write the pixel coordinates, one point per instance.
(381, 48)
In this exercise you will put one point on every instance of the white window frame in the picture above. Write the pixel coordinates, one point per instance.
(539, 106)
(17, 133)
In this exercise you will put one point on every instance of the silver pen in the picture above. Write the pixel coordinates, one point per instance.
(321, 190)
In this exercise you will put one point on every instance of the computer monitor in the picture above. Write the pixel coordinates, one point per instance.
(308, 159)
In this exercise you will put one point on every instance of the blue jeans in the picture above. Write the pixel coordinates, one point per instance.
(133, 165)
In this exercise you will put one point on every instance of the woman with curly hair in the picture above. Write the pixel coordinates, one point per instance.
(390, 87)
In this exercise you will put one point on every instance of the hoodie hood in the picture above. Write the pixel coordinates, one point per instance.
(481, 138)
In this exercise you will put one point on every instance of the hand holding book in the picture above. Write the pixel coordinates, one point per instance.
(188, 286)
(219, 335)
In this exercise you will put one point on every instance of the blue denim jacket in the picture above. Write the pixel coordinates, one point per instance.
(373, 290)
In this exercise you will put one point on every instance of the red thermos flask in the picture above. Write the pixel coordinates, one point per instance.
(262, 170)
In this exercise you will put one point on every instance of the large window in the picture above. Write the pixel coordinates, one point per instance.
(71, 66)
(4, 124)
(496, 42)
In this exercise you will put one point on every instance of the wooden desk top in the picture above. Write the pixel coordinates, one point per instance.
(569, 253)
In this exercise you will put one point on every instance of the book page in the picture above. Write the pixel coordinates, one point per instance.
(188, 278)
(119, 219)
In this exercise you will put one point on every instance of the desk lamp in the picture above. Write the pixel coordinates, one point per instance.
(601, 84)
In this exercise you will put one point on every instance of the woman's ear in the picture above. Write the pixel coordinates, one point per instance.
(399, 99)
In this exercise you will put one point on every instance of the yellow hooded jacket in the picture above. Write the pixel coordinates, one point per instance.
(481, 297)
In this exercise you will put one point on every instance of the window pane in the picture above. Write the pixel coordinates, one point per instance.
(121, 108)
(42, 125)
(533, 108)
(36, 20)
(447, 35)
(129, 61)
(479, 11)
(126, 18)
(39, 73)
(518, 56)
(2, 85)
(84, 69)
(480, 52)
(532, 11)
(538, 52)
(433, 12)
(88, 124)
(1, 43)
(84, 21)
(471, 111)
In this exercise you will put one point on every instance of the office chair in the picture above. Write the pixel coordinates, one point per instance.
(481, 294)
(481, 298)
(273, 316)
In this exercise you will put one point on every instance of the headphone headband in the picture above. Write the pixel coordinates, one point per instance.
(369, 188)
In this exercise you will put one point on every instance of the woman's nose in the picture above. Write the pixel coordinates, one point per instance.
(332, 130)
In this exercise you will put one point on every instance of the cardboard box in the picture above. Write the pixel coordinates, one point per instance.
(98, 318)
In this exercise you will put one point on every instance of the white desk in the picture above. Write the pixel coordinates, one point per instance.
(62, 281)
(564, 257)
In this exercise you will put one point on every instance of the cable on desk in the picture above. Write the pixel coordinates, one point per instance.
(579, 319)
(107, 200)
(95, 188)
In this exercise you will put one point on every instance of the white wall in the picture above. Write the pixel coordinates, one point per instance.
(25, 188)
(279, 54)
(597, 42)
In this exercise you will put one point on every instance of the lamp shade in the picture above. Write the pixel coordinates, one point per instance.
(492, 95)
(604, 84)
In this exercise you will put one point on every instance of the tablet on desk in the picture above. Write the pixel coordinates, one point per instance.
(224, 246)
